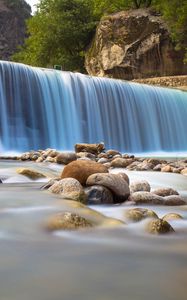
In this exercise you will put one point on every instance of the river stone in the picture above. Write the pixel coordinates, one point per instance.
(91, 148)
(184, 171)
(167, 169)
(69, 188)
(124, 176)
(30, 173)
(40, 159)
(82, 169)
(25, 156)
(86, 154)
(65, 157)
(157, 167)
(112, 153)
(158, 226)
(138, 214)
(47, 185)
(165, 192)
(113, 182)
(173, 200)
(97, 194)
(67, 221)
(141, 185)
(121, 162)
(146, 198)
(50, 159)
(54, 153)
(103, 160)
(172, 216)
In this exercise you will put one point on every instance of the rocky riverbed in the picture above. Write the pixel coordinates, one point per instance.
(61, 238)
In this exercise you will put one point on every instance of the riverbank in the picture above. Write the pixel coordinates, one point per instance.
(178, 82)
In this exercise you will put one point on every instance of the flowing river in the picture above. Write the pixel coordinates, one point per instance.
(104, 263)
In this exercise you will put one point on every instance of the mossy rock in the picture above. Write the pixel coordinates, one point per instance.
(172, 217)
(138, 214)
(159, 226)
(67, 221)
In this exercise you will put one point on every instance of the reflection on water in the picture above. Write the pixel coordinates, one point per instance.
(97, 264)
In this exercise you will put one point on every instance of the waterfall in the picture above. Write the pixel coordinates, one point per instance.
(41, 108)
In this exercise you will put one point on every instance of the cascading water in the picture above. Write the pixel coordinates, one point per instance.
(42, 108)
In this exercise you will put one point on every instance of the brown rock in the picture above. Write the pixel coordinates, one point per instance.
(69, 188)
(30, 173)
(167, 169)
(67, 221)
(112, 153)
(126, 46)
(158, 226)
(184, 172)
(124, 176)
(141, 185)
(86, 154)
(138, 214)
(165, 192)
(81, 170)
(91, 148)
(172, 216)
(114, 182)
(65, 158)
(121, 162)
(146, 198)
(173, 200)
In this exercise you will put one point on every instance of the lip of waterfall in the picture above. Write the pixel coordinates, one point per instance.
(42, 108)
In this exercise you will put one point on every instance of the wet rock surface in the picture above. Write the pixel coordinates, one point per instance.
(158, 226)
(98, 195)
(30, 173)
(138, 214)
(81, 170)
(67, 221)
(114, 182)
(69, 188)
(146, 198)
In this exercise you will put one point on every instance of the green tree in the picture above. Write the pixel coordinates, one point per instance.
(175, 14)
(58, 34)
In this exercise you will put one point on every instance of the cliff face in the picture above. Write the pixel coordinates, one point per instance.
(133, 44)
(13, 14)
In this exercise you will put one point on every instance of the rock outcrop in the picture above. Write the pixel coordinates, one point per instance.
(133, 44)
(12, 26)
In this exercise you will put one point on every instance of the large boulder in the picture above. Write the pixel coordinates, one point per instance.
(82, 169)
(133, 44)
(114, 182)
(13, 16)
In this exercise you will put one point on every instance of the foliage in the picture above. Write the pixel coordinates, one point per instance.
(61, 30)
(59, 34)
(175, 14)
